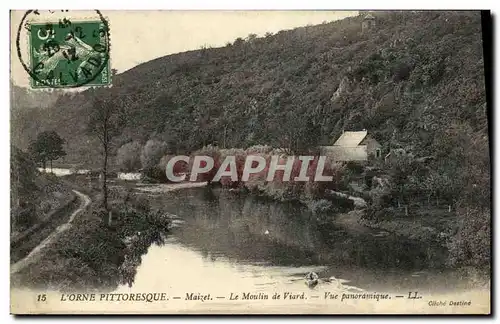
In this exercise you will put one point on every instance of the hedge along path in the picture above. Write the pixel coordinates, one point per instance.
(37, 252)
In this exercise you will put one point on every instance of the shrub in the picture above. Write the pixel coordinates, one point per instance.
(320, 206)
(258, 149)
(25, 216)
(240, 157)
(45, 206)
(128, 156)
(471, 245)
(214, 153)
(179, 167)
(154, 174)
(401, 72)
(294, 190)
(152, 152)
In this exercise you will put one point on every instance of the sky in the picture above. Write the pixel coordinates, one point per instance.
(140, 36)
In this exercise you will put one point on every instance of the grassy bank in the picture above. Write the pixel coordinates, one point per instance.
(464, 233)
(35, 197)
(422, 224)
(23, 243)
(95, 254)
(40, 202)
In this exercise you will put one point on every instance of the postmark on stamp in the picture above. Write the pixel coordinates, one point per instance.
(64, 52)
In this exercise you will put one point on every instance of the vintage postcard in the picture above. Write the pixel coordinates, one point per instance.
(250, 162)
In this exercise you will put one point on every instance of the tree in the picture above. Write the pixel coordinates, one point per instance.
(106, 120)
(128, 156)
(48, 146)
(401, 172)
(297, 133)
(152, 152)
(238, 41)
(251, 37)
(22, 176)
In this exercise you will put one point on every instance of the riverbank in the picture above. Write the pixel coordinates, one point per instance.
(40, 203)
(350, 212)
(26, 241)
(94, 253)
(432, 230)
(440, 230)
(413, 229)
(36, 251)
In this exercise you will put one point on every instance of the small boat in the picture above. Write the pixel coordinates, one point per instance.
(312, 279)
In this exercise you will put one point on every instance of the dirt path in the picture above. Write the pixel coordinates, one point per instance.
(37, 252)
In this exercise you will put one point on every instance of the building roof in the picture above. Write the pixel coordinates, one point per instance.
(341, 153)
(369, 17)
(351, 139)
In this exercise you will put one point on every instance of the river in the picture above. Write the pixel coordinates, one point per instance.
(226, 242)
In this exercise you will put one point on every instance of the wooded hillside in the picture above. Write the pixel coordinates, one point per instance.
(412, 78)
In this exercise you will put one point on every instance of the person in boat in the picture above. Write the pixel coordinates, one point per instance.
(312, 279)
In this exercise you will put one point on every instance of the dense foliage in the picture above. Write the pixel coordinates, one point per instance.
(406, 81)
(33, 195)
(47, 147)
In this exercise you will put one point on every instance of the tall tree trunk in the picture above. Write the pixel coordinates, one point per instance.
(105, 172)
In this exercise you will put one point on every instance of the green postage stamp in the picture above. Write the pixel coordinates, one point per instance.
(66, 54)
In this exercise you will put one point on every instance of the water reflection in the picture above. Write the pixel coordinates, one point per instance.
(227, 230)
(251, 229)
